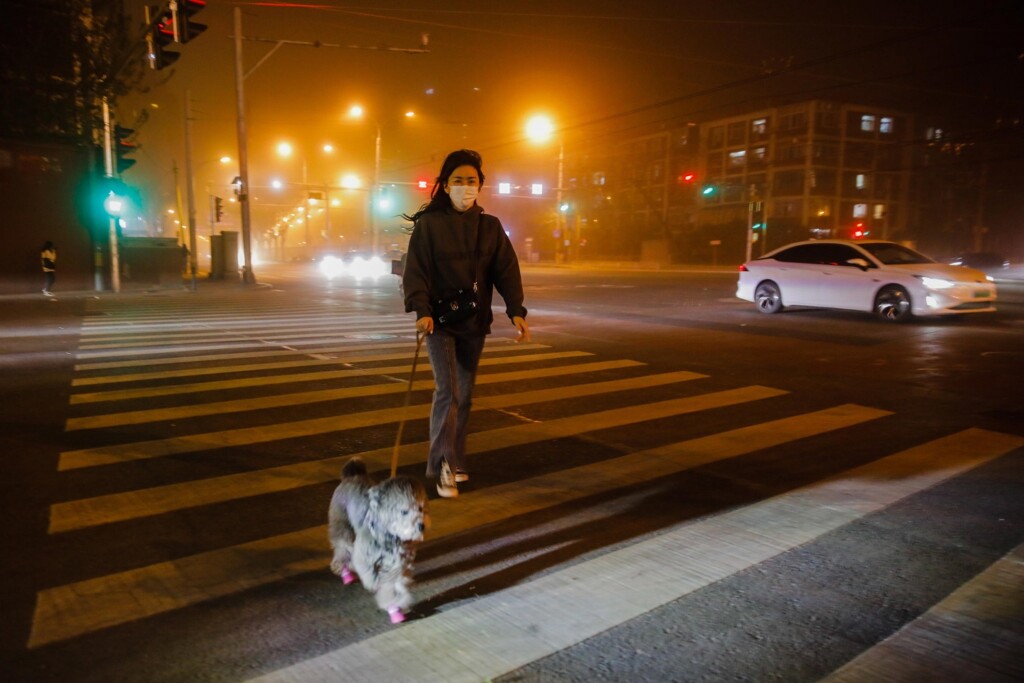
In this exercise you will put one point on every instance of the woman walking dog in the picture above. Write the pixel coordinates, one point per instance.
(457, 256)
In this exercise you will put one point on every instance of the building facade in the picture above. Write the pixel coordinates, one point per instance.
(810, 169)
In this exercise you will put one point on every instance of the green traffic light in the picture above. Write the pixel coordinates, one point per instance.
(710, 189)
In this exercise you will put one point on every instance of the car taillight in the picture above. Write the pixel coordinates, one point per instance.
(743, 268)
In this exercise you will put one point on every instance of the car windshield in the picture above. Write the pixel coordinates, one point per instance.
(894, 254)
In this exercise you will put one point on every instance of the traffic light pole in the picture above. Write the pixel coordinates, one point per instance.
(108, 165)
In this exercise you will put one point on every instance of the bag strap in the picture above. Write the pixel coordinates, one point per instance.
(476, 254)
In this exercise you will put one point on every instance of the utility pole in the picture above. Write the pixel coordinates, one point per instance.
(248, 277)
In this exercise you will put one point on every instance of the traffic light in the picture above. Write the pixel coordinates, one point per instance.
(687, 178)
(218, 209)
(160, 35)
(122, 148)
(859, 231)
(708, 190)
(183, 11)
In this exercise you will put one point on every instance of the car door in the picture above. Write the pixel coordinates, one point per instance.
(796, 273)
(842, 284)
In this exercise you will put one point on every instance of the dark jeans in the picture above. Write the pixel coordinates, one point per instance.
(50, 277)
(454, 360)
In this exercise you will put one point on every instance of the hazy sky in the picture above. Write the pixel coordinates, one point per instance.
(596, 67)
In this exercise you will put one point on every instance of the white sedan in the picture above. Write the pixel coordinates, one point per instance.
(886, 278)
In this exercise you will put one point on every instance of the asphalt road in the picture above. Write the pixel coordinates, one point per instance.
(786, 497)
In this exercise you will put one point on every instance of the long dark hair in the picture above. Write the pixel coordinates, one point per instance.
(439, 199)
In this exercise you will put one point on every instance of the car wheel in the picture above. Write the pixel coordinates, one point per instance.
(768, 297)
(893, 304)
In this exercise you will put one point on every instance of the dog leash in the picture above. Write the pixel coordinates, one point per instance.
(401, 423)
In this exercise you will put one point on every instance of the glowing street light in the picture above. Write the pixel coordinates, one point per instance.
(357, 112)
(541, 128)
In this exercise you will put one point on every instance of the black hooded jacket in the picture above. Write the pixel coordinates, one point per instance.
(441, 261)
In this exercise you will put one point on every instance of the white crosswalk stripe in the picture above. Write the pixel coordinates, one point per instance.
(186, 368)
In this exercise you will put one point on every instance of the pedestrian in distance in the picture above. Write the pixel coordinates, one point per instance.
(457, 256)
(48, 258)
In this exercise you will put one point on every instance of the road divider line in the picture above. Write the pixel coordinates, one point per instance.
(318, 396)
(83, 607)
(538, 618)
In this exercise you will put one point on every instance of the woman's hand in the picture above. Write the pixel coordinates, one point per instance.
(425, 325)
(523, 328)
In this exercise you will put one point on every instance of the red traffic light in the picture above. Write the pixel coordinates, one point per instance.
(688, 177)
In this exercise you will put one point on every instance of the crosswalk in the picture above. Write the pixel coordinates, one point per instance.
(213, 384)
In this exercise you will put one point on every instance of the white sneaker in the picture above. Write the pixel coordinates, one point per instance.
(446, 486)
(461, 475)
(47, 292)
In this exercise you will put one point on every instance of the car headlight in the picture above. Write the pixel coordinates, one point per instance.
(936, 283)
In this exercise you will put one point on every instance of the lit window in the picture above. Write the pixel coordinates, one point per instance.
(504, 188)
(867, 123)
(598, 179)
(860, 210)
(861, 182)
(879, 211)
(885, 125)
(537, 188)
(737, 159)
(759, 126)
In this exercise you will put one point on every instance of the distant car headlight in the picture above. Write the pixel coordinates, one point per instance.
(332, 266)
(936, 283)
(372, 267)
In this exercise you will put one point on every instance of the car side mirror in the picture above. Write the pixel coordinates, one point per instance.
(859, 262)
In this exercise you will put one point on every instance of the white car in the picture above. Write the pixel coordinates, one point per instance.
(886, 278)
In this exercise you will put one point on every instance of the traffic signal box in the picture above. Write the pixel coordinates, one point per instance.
(123, 146)
(160, 36)
(186, 9)
(173, 25)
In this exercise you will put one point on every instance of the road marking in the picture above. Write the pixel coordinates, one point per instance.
(976, 625)
(145, 502)
(501, 632)
(342, 347)
(169, 342)
(321, 395)
(347, 373)
(278, 365)
(246, 436)
(83, 607)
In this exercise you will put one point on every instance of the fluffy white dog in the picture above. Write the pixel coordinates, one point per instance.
(374, 529)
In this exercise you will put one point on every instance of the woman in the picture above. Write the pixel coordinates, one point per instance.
(48, 258)
(455, 247)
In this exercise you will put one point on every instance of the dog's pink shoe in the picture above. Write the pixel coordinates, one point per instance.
(396, 615)
(347, 577)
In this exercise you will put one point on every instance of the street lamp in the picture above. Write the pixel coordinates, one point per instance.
(357, 112)
(285, 150)
(540, 128)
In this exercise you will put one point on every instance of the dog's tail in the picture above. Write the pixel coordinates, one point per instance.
(353, 468)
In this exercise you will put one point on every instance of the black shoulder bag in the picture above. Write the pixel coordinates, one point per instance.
(465, 302)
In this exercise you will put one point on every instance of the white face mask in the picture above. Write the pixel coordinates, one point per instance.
(463, 196)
